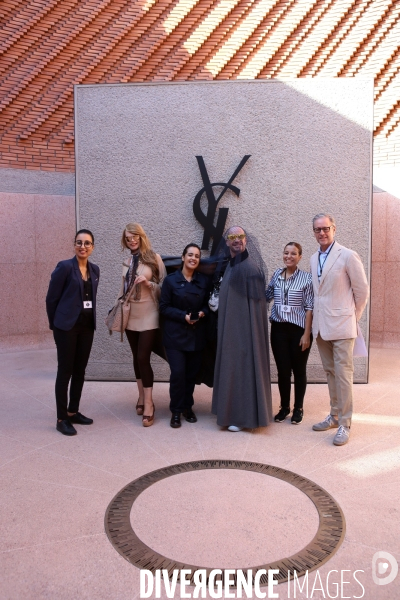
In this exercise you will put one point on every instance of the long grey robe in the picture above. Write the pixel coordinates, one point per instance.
(242, 381)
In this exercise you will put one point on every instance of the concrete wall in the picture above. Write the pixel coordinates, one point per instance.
(37, 225)
(310, 142)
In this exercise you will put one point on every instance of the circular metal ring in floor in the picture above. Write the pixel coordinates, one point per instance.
(325, 543)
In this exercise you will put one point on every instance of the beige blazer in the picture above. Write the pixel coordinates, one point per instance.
(341, 294)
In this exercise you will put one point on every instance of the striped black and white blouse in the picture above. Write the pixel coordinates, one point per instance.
(296, 291)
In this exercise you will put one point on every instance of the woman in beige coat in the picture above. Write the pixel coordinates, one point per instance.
(145, 271)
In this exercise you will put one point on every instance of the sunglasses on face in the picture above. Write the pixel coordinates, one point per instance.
(132, 238)
(236, 236)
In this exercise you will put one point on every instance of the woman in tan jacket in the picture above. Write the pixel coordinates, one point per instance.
(145, 270)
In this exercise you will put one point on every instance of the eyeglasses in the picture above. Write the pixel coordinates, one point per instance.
(87, 244)
(132, 238)
(236, 236)
(322, 229)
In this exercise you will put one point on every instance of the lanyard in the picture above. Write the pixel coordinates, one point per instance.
(321, 266)
(286, 288)
(86, 289)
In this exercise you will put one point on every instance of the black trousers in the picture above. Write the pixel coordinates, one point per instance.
(73, 351)
(289, 357)
(184, 368)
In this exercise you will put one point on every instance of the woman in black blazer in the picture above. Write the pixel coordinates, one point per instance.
(184, 304)
(71, 309)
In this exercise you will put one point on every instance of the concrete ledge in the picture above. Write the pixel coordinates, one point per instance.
(22, 181)
(23, 342)
(123, 371)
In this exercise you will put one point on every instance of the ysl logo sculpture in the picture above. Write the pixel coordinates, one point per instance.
(207, 220)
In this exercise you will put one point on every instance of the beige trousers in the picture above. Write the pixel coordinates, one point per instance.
(337, 360)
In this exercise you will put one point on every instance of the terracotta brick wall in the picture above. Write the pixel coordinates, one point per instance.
(50, 45)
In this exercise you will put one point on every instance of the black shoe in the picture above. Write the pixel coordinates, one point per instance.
(189, 415)
(282, 414)
(65, 427)
(80, 419)
(297, 416)
(175, 420)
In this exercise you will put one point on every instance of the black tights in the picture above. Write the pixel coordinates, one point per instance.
(141, 343)
(285, 339)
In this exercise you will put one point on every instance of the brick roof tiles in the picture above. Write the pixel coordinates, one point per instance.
(47, 46)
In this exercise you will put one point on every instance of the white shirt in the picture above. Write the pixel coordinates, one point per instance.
(322, 256)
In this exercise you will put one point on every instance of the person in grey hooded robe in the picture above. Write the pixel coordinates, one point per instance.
(242, 382)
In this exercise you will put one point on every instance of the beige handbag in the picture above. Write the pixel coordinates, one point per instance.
(118, 316)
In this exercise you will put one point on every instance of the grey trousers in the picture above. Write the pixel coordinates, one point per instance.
(337, 360)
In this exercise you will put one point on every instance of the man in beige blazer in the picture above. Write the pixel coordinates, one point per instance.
(340, 296)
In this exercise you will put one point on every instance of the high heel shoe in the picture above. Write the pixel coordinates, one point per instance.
(139, 408)
(148, 420)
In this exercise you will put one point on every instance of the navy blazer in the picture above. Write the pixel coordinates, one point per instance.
(64, 300)
(178, 298)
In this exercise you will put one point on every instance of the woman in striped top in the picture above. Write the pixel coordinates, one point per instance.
(291, 338)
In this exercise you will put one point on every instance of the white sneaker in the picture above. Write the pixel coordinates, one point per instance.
(328, 423)
(234, 428)
(342, 436)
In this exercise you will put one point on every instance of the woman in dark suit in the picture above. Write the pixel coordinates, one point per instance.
(184, 304)
(71, 309)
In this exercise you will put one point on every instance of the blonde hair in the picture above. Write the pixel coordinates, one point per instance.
(147, 255)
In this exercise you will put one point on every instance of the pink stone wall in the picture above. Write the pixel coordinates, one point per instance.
(385, 277)
(36, 231)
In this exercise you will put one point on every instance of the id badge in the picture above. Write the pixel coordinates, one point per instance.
(286, 309)
(87, 304)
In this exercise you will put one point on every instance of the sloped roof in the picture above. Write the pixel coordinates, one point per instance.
(50, 45)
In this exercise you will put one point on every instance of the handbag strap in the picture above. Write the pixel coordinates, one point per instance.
(127, 294)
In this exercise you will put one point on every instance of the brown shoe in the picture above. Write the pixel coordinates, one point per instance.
(139, 408)
(148, 420)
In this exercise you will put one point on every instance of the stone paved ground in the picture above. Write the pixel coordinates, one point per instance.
(54, 490)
